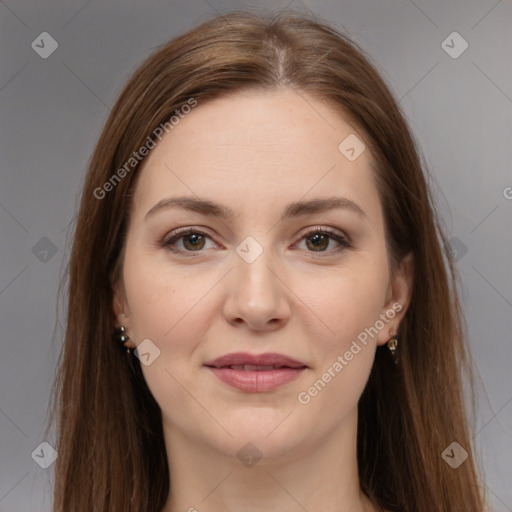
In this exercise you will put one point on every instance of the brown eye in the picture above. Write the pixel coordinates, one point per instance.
(317, 242)
(191, 240)
(318, 239)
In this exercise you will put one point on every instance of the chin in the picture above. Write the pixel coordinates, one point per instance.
(272, 440)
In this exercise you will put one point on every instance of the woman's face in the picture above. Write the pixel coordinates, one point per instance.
(252, 278)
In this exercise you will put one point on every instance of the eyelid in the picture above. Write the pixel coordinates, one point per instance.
(333, 232)
(342, 239)
(172, 237)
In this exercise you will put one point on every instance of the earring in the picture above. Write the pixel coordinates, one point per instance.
(122, 337)
(392, 346)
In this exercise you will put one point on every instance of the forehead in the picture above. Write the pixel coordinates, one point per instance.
(254, 150)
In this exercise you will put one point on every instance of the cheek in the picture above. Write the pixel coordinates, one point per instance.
(164, 303)
(169, 308)
(347, 306)
(342, 303)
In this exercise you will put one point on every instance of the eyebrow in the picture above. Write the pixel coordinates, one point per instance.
(295, 209)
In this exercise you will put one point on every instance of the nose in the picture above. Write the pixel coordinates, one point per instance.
(257, 296)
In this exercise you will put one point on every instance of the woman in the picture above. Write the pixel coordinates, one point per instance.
(257, 236)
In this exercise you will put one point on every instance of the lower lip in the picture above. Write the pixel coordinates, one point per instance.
(256, 381)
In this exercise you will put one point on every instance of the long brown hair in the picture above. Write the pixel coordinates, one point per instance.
(110, 441)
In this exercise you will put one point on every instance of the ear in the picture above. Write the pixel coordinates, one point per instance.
(398, 298)
(121, 311)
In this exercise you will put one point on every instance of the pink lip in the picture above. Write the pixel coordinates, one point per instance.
(257, 380)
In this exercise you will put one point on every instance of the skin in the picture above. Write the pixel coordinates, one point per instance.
(255, 153)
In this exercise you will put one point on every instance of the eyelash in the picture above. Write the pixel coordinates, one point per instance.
(171, 239)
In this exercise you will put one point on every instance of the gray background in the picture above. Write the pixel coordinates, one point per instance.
(52, 110)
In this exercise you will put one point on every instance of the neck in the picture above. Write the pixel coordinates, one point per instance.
(317, 477)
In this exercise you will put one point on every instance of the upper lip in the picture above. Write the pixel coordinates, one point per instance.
(242, 358)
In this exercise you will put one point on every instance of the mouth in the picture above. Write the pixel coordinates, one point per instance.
(256, 373)
(255, 367)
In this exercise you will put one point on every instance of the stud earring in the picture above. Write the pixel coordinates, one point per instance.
(122, 337)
